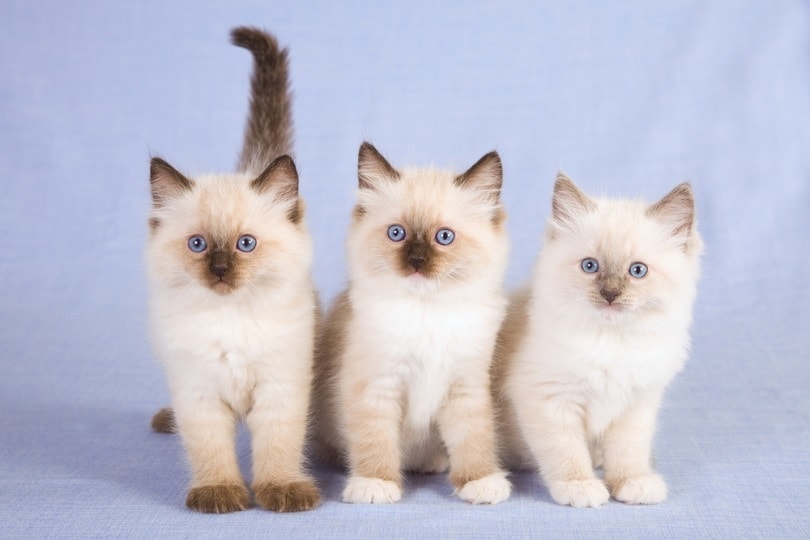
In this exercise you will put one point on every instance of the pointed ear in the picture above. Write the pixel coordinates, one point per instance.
(486, 176)
(568, 201)
(676, 209)
(280, 176)
(372, 167)
(166, 182)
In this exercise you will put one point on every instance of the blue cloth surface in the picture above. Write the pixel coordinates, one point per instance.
(628, 97)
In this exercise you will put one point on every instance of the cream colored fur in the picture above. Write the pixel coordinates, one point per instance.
(402, 379)
(246, 354)
(575, 373)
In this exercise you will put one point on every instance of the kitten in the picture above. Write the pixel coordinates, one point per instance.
(233, 307)
(402, 374)
(585, 355)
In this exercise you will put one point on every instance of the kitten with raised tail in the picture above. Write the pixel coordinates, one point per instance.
(402, 372)
(586, 352)
(232, 306)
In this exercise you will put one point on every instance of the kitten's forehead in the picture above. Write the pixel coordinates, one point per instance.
(425, 198)
(618, 229)
(224, 207)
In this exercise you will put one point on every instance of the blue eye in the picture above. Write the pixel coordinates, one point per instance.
(445, 237)
(396, 233)
(590, 266)
(638, 270)
(246, 243)
(197, 244)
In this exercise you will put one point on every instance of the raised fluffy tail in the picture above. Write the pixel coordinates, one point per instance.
(269, 130)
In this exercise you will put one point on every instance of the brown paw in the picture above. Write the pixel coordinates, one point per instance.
(163, 421)
(218, 499)
(293, 497)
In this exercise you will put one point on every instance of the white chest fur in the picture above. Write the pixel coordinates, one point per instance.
(225, 351)
(424, 345)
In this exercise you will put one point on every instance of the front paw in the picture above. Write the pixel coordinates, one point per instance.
(647, 489)
(360, 489)
(218, 499)
(294, 497)
(490, 489)
(579, 493)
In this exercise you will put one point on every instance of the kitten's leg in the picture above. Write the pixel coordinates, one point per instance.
(555, 432)
(278, 423)
(466, 423)
(627, 454)
(208, 433)
(372, 417)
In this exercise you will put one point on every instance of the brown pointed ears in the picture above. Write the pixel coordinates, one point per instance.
(166, 182)
(281, 179)
(568, 201)
(373, 168)
(485, 176)
(676, 210)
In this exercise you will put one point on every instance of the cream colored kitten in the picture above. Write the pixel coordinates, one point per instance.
(402, 378)
(233, 309)
(585, 355)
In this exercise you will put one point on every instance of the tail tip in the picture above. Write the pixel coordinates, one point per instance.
(256, 40)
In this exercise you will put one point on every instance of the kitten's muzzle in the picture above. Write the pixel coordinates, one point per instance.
(609, 294)
(416, 262)
(219, 263)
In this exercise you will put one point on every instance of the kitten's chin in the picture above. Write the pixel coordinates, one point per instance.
(612, 313)
(221, 287)
(418, 283)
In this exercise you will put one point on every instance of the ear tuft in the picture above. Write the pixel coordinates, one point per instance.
(676, 209)
(485, 176)
(280, 177)
(373, 168)
(166, 182)
(569, 202)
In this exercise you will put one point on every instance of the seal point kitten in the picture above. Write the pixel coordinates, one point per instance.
(232, 306)
(402, 374)
(586, 352)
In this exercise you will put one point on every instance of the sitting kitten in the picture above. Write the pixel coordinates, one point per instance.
(402, 375)
(233, 307)
(585, 355)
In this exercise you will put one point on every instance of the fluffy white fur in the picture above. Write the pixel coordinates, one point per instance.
(578, 373)
(405, 358)
(245, 353)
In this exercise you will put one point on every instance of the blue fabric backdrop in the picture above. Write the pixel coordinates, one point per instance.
(628, 97)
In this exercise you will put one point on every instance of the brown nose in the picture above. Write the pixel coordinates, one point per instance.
(609, 294)
(416, 261)
(219, 264)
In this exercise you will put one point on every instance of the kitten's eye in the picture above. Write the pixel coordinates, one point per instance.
(445, 237)
(638, 270)
(246, 243)
(396, 233)
(590, 266)
(197, 244)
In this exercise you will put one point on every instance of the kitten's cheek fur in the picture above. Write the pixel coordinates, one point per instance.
(647, 489)
(360, 489)
(491, 489)
(589, 493)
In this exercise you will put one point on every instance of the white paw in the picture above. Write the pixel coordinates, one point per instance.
(490, 489)
(647, 489)
(360, 489)
(580, 493)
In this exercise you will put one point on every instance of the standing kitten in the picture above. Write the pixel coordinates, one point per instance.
(584, 358)
(402, 377)
(233, 308)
